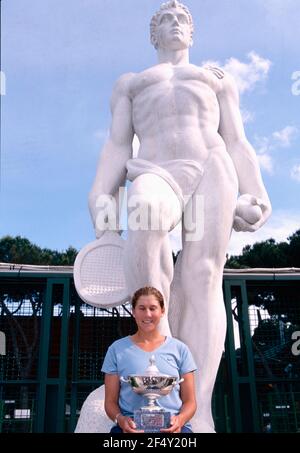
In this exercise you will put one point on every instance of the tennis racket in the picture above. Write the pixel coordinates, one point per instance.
(98, 272)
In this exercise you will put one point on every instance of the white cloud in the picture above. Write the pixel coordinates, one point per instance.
(266, 162)
(247, 116)
(281, 225)
(279, 139)
(263, 147)
(295, 173)
(246, 75)
(284, 137)
(262, 144)
(213, 63)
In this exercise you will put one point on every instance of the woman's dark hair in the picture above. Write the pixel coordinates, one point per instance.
(148, 291)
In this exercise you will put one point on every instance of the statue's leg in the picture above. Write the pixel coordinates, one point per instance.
(202, 313)
(153, 210)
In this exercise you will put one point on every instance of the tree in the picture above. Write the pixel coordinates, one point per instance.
(294, 249)
(19, 250)
(268, 254)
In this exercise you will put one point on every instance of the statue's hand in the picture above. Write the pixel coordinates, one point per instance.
(106, 219)
(105, 225)
(99, 233)
(251, 213)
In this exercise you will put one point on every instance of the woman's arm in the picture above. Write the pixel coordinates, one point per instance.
(189, 405)
(112, 390)
(111, 404)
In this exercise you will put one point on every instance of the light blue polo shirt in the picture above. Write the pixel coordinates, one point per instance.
(172, 358)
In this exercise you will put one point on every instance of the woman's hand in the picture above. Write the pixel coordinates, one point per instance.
(176, 425)
(127, 425)
(189, 405)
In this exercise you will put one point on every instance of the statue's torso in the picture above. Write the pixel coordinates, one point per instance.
(175, 112)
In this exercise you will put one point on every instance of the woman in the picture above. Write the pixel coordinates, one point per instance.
(130, 355)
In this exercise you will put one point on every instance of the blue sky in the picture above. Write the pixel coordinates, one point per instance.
(60, 60)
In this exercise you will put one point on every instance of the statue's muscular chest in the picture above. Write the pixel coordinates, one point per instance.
(181, 88)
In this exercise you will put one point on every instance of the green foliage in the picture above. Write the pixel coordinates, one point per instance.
(20, 250)
(268, 254)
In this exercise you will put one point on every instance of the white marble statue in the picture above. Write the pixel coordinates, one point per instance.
(194, 158)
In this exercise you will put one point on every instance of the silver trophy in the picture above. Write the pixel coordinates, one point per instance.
(151, 385)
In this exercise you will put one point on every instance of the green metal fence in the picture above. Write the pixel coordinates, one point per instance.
(55, 345)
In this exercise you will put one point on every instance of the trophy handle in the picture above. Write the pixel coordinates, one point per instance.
(178, 382)
(126, 380)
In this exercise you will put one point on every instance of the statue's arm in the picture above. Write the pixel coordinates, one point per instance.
(111, 169)
(231, 129)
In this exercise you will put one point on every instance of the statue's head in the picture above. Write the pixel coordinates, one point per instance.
(172, 17)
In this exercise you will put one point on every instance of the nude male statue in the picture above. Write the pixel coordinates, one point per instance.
(192, 143)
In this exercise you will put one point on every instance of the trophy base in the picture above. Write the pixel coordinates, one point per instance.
(152, 421)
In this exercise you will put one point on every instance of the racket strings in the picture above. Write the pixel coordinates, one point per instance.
(102, 272)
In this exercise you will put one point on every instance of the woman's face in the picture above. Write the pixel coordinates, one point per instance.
(147, 313)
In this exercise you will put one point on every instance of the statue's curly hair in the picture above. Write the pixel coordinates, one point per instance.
(155, 18)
